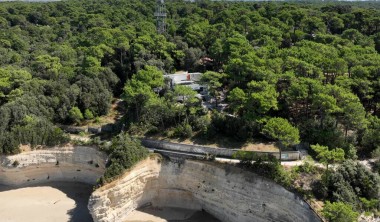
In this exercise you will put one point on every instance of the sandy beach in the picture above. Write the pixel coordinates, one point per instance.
(154, 214)
(67, 202)
(53, 202)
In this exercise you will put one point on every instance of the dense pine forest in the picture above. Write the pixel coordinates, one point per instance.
(312, 67)
(287, 72)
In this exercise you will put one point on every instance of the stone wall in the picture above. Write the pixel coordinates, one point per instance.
(228, 193)
(219, 152)
(106, 128)
(69, 163)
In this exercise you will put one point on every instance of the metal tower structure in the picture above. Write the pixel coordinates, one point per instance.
(160, 15)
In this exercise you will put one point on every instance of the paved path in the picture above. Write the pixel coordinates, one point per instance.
(366, 163)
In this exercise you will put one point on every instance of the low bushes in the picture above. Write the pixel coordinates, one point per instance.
(33, 131)
(265, 165)
(350, 183)
(339, 212)
(123, 152)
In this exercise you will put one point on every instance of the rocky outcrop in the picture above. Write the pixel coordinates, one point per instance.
(228, 193)
(69, 163)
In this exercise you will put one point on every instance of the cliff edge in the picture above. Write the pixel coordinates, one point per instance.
(69, 163)
(228, 193)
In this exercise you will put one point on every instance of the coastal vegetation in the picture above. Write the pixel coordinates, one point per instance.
(286, 72)
(123, 153)
(315, 66)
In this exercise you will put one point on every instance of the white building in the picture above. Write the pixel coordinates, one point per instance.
(185, 78)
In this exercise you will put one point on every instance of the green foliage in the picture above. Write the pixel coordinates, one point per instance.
(183, 131)
(91, 66)
(280, 129)
(376, 166)
(237, 99)
(371, 137)
(262, 97)
(251, 156)
(234, 127)
(350, 152)
(339, 212)
(370, 204)
(137, 92)
(93, 95)
(75, 115)
(123, 153)
(327, 156)
(307, 167)
(33, 131)
(186, 94)
(313, 65)
(11, 80)
(151, 76)
(214, 82)
(265, 165)
(350, 182)
(47, 67)
(273, 170)
(88, 114)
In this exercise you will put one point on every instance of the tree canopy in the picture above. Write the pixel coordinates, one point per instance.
(280, 129)
(293, 72)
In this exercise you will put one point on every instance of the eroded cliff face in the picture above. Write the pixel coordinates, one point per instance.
(228, 193)
(68, 163)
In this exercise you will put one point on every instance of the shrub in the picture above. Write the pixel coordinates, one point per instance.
(183, 130)
(339, 212)
(371, 136)
(266, 165)
(34, 131)
(363, 181)
(123, 152)
(169, 133)
(375, 153)
(349, 182)
(306, 167)
(210, 157)
(376, 166)
(75, 115)
(97, 119)
(88, 114)
(320, 189)
(350, 152)
(201, 123)
(248, 156)
(370, 204)
(238, 128)
(152, 130)
(15, 163)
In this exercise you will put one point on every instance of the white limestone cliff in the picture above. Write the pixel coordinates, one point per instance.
(228, 193)
(68, 163)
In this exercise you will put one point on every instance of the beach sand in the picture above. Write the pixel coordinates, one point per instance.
(154, 214)
(67, 202)
(51, 202)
